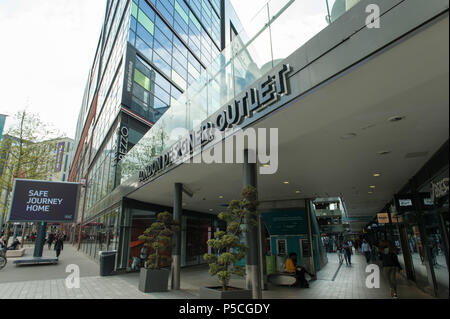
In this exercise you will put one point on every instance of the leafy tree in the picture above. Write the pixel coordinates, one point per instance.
(158, 238)
(241, 215)
(26, 151)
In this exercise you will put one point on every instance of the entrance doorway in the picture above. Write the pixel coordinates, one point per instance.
(196, 231)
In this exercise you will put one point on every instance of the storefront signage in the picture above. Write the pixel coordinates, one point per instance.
(383, 218)
(405, 203)
(43, 201)
(439, 189)
(256, 99)
(123, 143)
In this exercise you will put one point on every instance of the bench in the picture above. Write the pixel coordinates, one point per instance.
(15, 253)
(282, 279)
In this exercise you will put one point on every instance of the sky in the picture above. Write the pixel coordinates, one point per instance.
(47, 48)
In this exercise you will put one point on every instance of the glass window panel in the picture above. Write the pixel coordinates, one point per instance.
(181, 12)
(144, 48)
(134, 10)
(161, 64)
(141, 79)
(146, 22)
(162, 26)
(194, 21)
(148, 10)
(133, 24)
(178, 79)
(144, 35)
(162, 82)
(161, 94)
(132, 38)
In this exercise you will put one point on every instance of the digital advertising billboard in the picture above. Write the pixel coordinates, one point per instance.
(34, 200)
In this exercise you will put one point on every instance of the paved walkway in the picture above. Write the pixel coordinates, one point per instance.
(349, 283)
(69, 255)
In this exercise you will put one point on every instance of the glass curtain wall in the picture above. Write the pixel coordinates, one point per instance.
(273, 36)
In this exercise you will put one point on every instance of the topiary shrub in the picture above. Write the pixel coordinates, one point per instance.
(240, 216)
(158, 239)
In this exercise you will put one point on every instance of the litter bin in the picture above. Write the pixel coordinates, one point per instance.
(107, 260)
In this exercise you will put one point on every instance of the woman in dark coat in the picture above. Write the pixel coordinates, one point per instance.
(59, 245)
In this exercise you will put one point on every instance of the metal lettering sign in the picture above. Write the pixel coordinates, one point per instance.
(43, 201)
(254, 100)
(59, 156)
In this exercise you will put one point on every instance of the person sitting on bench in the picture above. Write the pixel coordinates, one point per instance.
(300, 272)
(14, 245)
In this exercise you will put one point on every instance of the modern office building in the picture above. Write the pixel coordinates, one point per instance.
(358, 93)
(2, 124)
(148, 53)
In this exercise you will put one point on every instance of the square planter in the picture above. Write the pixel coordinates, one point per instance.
(154, 280)
(217, 293)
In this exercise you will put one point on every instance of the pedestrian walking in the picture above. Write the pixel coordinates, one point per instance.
(348, 254)
(350, 244)
(50, 239)
(339, 253)
(59, 245)
(390, 265)
(366, 250)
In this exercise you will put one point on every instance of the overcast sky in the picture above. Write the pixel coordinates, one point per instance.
(48, 46)
(46, 50)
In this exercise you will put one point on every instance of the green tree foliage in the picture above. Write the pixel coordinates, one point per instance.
(158, 240)
(241, 215)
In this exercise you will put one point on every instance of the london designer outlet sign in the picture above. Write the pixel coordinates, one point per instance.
(44, 201)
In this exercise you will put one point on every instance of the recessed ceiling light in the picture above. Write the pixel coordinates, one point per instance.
(376, 174)
(220, 196)
(210, 209)
(383, 152)
(372, 186)
(286, 182)
(370, 192)
(348, 136)
(396, 118)
(297, 192)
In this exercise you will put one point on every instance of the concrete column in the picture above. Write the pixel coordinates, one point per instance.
(431, 277)
(407, 257)
(125, 238)
(40, 239)
(176, 252)
(253, 269)
(262, 253)
(428, 260)
(444, 236)
(310, 237)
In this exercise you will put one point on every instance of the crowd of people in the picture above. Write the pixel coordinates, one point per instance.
(52, 238)
(384, 253)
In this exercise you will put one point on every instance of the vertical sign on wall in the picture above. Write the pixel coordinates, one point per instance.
(59, 156)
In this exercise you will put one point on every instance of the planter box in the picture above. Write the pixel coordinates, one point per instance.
(154, 280)
(217, 293)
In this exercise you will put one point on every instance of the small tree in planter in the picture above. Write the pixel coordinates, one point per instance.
(240, 217)
(158, 240)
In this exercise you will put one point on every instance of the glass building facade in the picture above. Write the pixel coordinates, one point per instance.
(149, 52)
